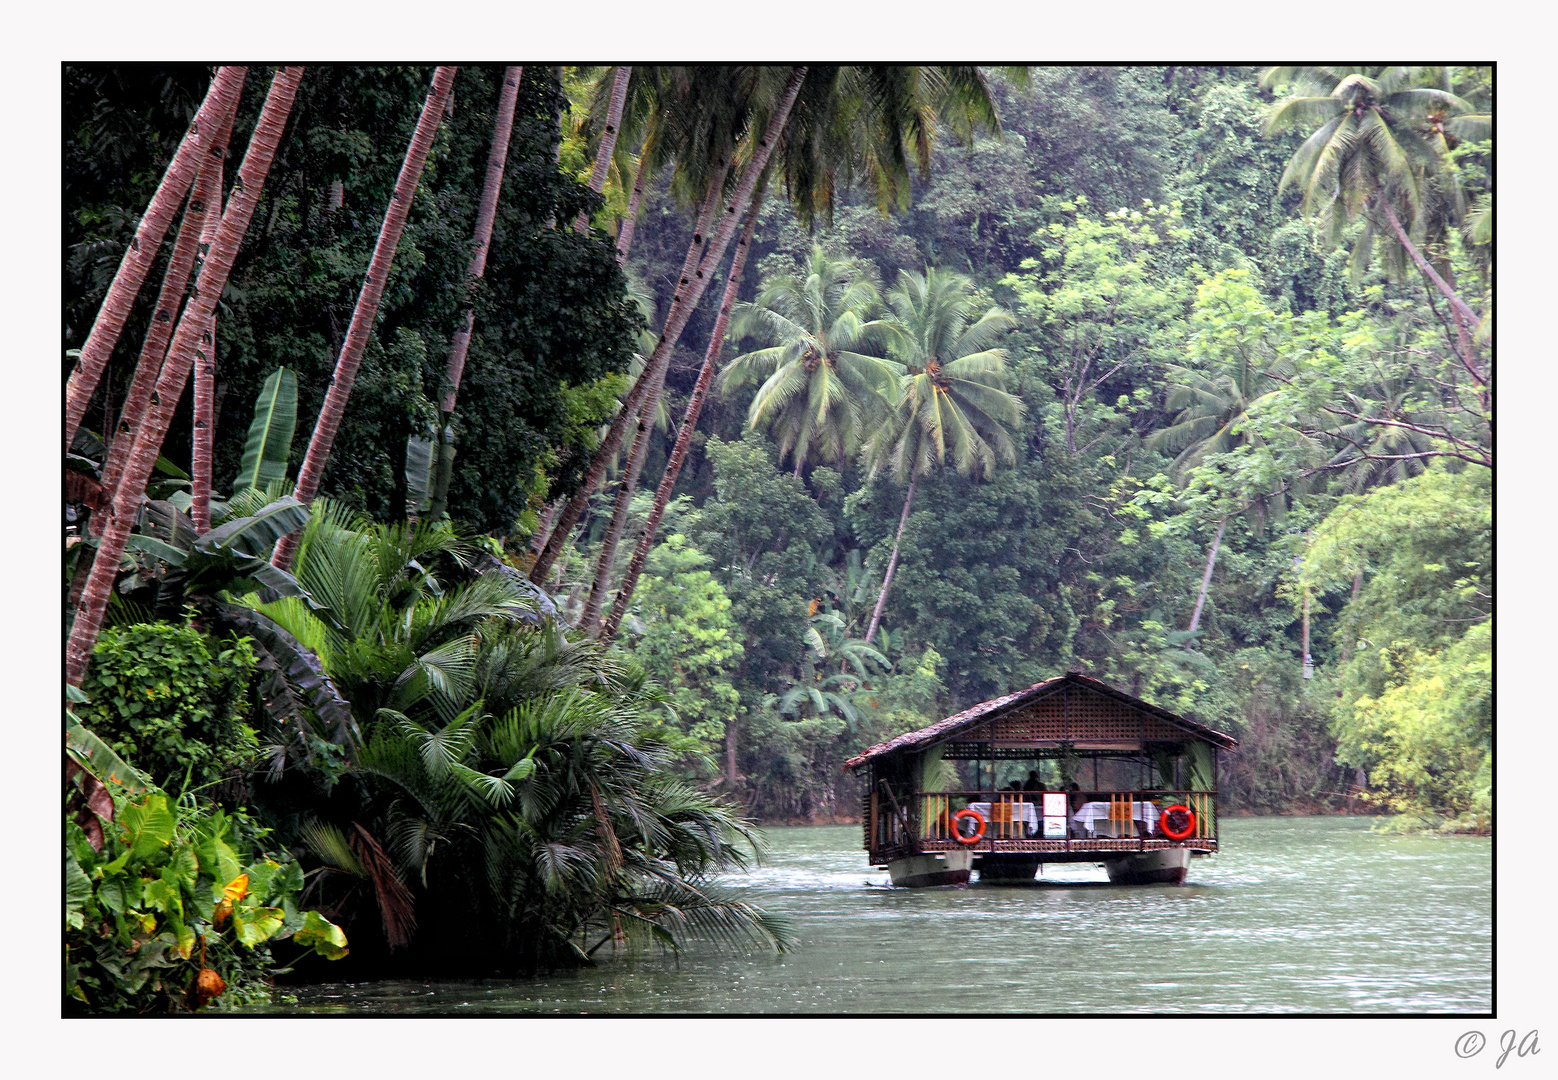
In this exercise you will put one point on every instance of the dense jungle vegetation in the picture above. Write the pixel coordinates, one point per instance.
(1177, 376)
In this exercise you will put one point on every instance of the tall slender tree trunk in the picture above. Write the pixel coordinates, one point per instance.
(175, 369)
(164, 319)
(1357, 583)
(635, 200)
(608, 142)
(731, 776)
(574, 508)
(628, 482)
(486, 213)
(138, 258)
(1465, 317)
(367, 308)
(892, 563)
(204, 430)
(689, 292)
(1206, 578)
(700, 390)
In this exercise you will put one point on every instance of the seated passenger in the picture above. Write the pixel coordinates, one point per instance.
(1033, 783)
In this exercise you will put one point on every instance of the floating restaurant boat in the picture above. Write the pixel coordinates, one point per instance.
(1110, 779)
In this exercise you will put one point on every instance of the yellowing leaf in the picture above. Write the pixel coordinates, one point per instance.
(326, 938)
(235, 890)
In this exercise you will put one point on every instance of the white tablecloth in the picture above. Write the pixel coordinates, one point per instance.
(1089, 814)
(1027, 812)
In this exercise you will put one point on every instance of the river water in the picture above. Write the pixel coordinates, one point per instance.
(1305, 915)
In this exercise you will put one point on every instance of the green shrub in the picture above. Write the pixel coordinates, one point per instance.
(172, 701)
(175, 891)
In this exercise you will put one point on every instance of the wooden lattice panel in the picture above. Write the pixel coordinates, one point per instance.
(1075, 714)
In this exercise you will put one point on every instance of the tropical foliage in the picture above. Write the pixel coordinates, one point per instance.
(1179, 376)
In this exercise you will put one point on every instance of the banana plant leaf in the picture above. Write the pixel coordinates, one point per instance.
(98, 758)
(270, 432)
(254, 536)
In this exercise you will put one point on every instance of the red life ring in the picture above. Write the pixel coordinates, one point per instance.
(979, 826)
(1190, 821)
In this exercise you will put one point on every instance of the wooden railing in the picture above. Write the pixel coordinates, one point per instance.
(1014, 815)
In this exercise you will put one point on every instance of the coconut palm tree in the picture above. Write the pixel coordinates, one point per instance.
(175, 370)
(819, 389)
(1210, 409)
(708, 128)
(214, 113)
(1377, 150)
(486, 213)
(952, 400)
(367, 306)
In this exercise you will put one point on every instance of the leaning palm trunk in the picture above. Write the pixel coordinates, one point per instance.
(367, 308)
(689, 292)
(486, 212)
(1465, 318)
(175, 369)
(892, 564)
(143, 248)
(192, 233)
(646, 422)
(608, 143)
(634, 399)
(635, 200)
(1206, 578)
(205, 378)
(700, 390)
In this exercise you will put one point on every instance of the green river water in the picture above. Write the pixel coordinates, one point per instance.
(1308, 915)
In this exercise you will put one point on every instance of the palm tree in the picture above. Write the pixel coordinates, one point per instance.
(486, 212)
(215, 112)
(684, 435)
(367, 306)
(1379, 146)
(701, 260)
(181, 264)
(820, 691)
(205, 380)
(1212, 406)
(516, 798)
(819, 391)
(608, 141)
(952, 398)
(175, 370)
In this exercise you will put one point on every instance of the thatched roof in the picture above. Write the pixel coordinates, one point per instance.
(943, 730)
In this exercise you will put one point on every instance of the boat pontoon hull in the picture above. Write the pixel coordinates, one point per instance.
(938, 868)
(1166, 866)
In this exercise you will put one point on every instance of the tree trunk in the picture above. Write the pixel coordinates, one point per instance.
(730, 756)
(628, 482)
(608, 143)
(1206, 578)
(689, 292)
(137, 260)
(630, 219)
(205, 380)
(497, 159)
(163, 321)
(175, 370)
(367, 307)
(892, 564)
(1357, 583)
(673, 467)
(1465, 318)
(574, 508)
